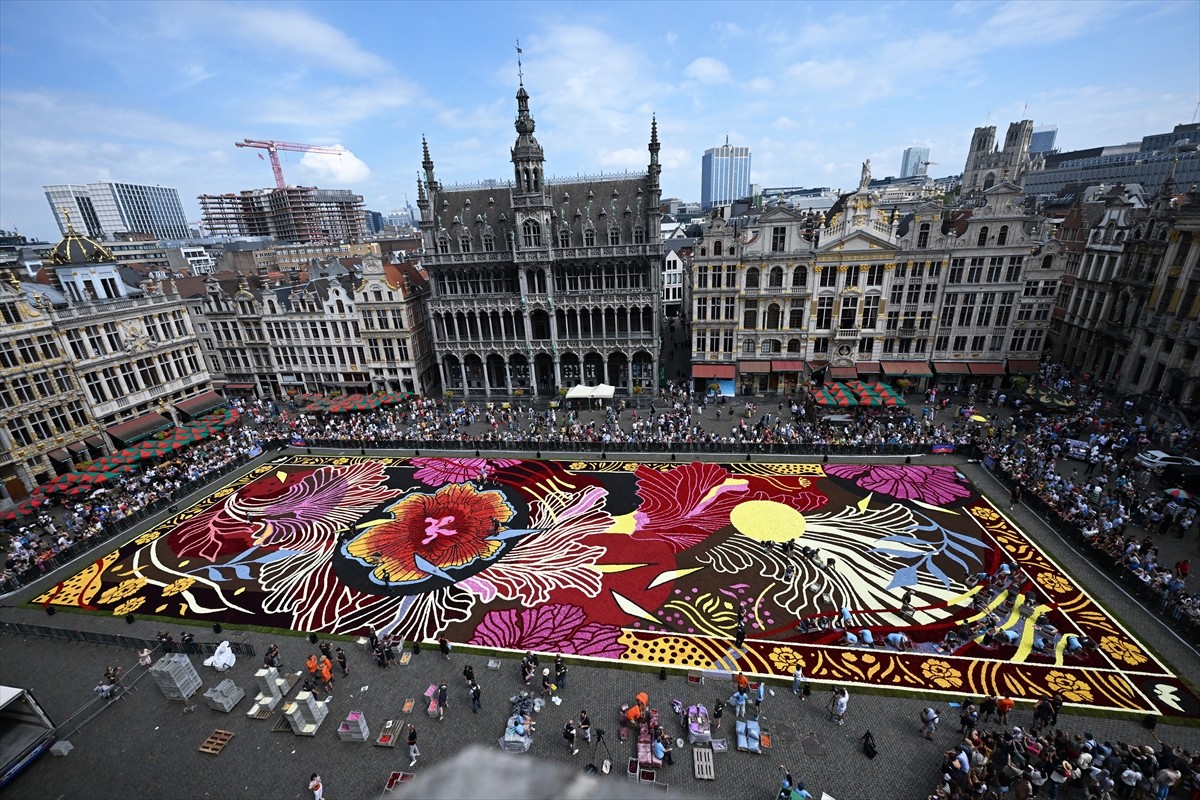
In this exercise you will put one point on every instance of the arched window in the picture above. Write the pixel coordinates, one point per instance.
(989, 181)
(1047, 262)
(532, 233)
(793, 346)
(443, 244)
(639, 234)
(983, 234)
(464, 243)
(752, 278)
(564, 238)
(775, 280)
(773, 317)
(923, 236)
(589, 237)
(799, 278)
(703, 251)
(1002, 236)
(717, 248)
(489, 243)
(614, 235)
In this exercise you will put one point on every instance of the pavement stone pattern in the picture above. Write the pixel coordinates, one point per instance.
(145, 745)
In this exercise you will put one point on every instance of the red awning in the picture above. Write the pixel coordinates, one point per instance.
(843, 373)
(719, 371)
(240, 386)
(139, 428)
(987, 367)
(913, 369)
(867, 367)
(60, 455)
(201, 404)
(96, 442)
(758, 367)
(813, 366)
(77, 447)
(951, 368)
(787, 366)
(1022, 366)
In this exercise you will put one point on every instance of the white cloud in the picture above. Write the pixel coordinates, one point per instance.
(728, 28)
(295, 34)
(761, 85)
(707, 69)
(342, 169)
(672, 37)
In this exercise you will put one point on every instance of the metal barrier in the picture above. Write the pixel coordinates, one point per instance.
(114, 640)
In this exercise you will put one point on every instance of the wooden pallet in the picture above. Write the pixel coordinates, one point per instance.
(216, 742)
(702, 758)
(263, 713)
(388, 734)
(281, 725)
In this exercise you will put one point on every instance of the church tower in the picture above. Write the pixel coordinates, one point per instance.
(531, 204)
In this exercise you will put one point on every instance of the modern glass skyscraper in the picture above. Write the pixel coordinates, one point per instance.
(915, 162)
(104, 209)
(1043, 138)
(724, 175)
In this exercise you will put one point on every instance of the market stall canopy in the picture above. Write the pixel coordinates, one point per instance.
(139, 428)
(200, 404)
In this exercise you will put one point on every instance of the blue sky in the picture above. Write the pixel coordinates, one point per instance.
(159, 92)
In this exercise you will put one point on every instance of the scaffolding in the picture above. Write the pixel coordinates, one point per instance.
(297, 214)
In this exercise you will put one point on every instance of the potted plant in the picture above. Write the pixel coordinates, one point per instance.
(562, 391)
(449, 393)
(902, 385)
(637, 390)
(518, 392)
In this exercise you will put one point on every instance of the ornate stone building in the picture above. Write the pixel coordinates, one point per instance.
(1131, 312)
(988, 165)
(540, 284)
(88, 362)
(964, 294)
(392, 302)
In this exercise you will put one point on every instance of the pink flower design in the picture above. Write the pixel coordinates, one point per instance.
(935, 485)
(440, 471)
(683, 506)
(554, 628)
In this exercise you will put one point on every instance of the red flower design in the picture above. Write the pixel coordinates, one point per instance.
(440, 471)
(428, 534)
(683, 506)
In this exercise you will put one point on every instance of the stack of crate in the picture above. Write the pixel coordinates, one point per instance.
(354, 729)
(224, 696)
(176, 676)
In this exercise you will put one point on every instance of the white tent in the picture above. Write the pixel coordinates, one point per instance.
(579, 392)
(603, 392)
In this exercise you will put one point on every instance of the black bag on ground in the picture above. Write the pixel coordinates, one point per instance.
(868, 746)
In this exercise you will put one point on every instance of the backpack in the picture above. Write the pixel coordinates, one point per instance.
(568, 732)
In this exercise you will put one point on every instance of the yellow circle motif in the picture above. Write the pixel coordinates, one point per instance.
(768, 521)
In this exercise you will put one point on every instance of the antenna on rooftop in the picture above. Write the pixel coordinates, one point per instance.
(520, 74)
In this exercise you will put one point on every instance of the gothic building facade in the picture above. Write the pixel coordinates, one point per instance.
(988, 165)
(538, 285)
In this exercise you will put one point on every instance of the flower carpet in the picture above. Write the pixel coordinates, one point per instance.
(645, 563)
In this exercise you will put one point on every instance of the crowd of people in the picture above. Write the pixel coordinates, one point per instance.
(67, 525)
(1043, 759)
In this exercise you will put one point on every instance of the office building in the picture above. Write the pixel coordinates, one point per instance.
(1146, 163)
(915, 162)
(1042, 140)
(108, 208)
(724, 175)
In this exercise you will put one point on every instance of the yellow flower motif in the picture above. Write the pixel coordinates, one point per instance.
(147, 537)
(985, 514)
(786, 659)
(1072, 688)
(128, 606)
(1053, 582)
(577, 465)
(181, 585)
(1122, 650)
(122, 590)
(942, 674)
(630, 467)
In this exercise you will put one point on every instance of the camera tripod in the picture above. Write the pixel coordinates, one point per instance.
(606, 765)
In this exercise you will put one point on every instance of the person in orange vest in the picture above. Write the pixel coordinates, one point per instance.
(312, 665)
(327, 674)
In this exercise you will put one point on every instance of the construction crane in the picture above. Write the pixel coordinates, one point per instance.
(924, 165)
(273, 149)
